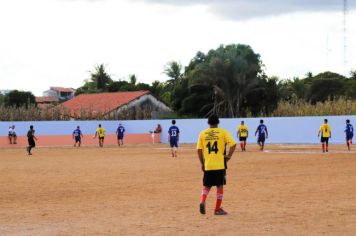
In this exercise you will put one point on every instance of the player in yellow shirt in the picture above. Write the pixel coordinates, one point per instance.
(100, 132)
(325, 132)
(242, 134)
(211, 147)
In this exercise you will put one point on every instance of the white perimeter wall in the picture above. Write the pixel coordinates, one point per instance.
(296, 130)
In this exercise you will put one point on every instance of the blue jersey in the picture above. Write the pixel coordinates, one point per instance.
(262, 130)
(120, 130)
(173, 132)
(77, 133)
(349, 130)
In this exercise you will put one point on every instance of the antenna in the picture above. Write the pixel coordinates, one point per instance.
(345, 36)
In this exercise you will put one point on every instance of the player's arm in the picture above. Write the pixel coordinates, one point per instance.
(238, 133)
(117, 132)
(34, 137)
(256, 131)
(231, 151)
(246, 133)
(201, 158)
(73, 135)
(266, 133)
(232, 144)
(96, 133)
(319, 132)
(81, 134)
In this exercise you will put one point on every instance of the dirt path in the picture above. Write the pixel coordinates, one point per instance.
(141, 190)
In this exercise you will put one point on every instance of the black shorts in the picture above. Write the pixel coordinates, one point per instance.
(214, 178)
(243, 138)
(101, 138)
(173, 142)
(261, 139)
(31, 142)
(77, 139)
(349, 137)
(324, 140)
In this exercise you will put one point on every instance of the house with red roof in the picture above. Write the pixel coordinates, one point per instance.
(115, 105)
(44, 102)
(59, 92)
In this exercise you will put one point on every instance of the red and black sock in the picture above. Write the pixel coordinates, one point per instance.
(204, 194)
(219, 197)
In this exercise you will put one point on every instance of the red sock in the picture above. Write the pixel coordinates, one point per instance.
(219, 197)
(327, 146)
(204, 194)
(242, 145)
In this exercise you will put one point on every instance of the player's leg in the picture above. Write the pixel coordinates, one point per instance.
(14, 138)
(219, 198)
(327, 144)
(204, 194)
(245, 145)
(175, 148)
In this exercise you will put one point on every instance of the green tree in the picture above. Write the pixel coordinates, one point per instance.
(325, 86)
(173, 70)
(99, 81)
(17, 98)
(225, 76)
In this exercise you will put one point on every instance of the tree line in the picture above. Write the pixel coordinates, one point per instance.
(228, 81)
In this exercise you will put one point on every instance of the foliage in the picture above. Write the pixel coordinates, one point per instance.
(17, 98)
(221, 80)
(302, 108)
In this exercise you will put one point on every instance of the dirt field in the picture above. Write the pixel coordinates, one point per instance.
(141, 190)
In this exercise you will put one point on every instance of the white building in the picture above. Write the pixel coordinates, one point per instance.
(60, 93)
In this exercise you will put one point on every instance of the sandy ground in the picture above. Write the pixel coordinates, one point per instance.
(141, 190)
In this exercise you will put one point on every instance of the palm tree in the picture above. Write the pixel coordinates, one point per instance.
(100, 78)
(230, 73)
(173, 70)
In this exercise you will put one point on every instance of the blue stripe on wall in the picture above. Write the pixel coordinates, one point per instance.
(281, 129)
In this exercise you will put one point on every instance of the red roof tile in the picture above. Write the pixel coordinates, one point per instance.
(46, 99)
(100, 102)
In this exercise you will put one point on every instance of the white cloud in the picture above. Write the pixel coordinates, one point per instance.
(55, 43)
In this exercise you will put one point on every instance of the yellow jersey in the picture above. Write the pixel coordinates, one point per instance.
(213, 142)
(101, 132)
(243, 130)
(325, 130)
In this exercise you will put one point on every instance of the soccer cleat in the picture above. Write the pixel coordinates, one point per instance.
(220, 212)
(202, 208)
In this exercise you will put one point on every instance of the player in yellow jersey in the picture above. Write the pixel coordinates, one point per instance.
(242, 134)
(100, 132)
(212, 143)
(325, 132)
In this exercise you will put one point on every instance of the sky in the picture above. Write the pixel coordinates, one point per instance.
(47, 43)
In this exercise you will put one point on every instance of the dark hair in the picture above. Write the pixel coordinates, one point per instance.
(326, 120)
(213, 120)
(347, 121)
(173, 122)
(31, 126)
(99, 125)
(78, 127)
(261, 121)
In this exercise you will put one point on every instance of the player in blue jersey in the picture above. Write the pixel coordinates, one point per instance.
(173, 138)
(262, 135)
(120, 135)
(77, 136)
(349, 131)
